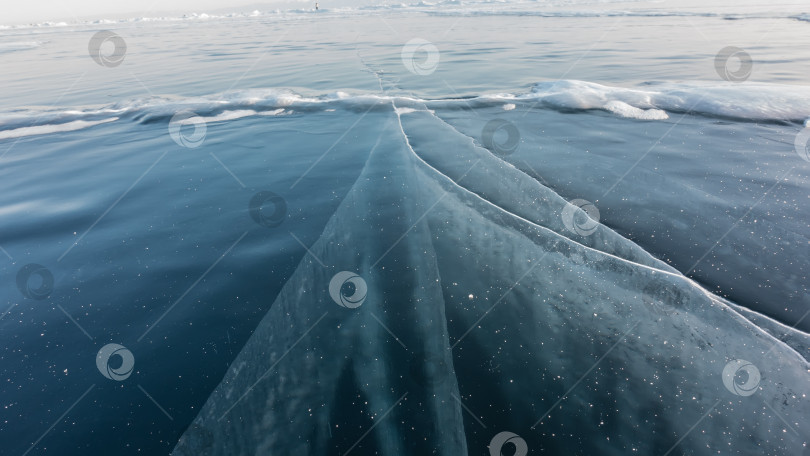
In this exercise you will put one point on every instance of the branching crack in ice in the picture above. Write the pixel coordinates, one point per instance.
(545, 229)
(660, 268)
(561, 303)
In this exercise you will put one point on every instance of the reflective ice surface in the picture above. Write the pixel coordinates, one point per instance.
(408, 230)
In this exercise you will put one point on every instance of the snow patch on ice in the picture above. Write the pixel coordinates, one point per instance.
(57, 128)
(747, 102)
(401, 111)
(625, 110)
(738, 101)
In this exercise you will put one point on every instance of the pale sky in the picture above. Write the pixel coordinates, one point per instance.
(27, 11)
(35, 11)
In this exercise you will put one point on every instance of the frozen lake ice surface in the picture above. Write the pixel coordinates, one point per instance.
(452, 228)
